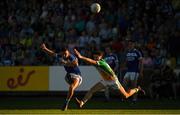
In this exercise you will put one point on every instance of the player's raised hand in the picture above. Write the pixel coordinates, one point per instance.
(77, 53)
(43, 46)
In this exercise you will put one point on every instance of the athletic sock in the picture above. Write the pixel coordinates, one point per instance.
(81, 104)
(136, 90)
(67, 101)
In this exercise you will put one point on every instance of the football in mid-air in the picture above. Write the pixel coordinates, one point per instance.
(95, 8)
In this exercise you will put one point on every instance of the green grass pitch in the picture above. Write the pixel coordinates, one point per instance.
(38, 105)
(87, 111)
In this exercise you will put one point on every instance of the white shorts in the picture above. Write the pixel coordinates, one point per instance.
(131, 76)
(69, 77)
(114, 84)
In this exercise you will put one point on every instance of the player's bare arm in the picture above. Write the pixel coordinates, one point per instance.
(50, 52)
(91, 61)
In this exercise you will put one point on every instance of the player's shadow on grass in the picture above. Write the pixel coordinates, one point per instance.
(94, 103)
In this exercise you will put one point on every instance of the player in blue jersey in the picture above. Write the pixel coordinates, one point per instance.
(134, 67)
(70, 63)
(112, 59)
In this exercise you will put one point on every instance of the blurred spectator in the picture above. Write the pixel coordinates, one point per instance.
(83, 39)
(154, 86)
(90, 25)
(164, 83)
(158, 59)
(96, 39)
(147, 61)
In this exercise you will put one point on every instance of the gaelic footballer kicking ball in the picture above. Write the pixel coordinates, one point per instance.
(95, 8)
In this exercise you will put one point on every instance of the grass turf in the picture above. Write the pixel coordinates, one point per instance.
(39, 105)
(89, 111)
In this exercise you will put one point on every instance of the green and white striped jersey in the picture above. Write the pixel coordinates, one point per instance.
(105, 70)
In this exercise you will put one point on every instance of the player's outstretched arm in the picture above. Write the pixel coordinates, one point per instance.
(50, 52)
(88, 60)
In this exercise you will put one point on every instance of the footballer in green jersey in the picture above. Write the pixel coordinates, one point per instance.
(108, 78)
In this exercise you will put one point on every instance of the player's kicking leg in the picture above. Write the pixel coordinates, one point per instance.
(131, 91)
(72, 87)
(97, 87)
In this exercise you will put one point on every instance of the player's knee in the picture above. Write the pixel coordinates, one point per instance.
(125, 96)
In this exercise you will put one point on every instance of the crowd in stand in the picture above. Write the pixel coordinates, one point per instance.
(25, 24)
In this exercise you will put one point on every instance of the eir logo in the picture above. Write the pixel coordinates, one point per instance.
(21, 80)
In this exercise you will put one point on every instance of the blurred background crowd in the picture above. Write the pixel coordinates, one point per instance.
(153, 24)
